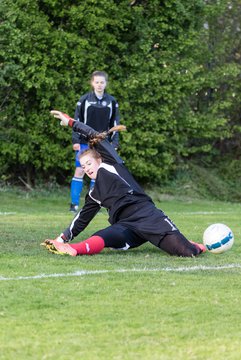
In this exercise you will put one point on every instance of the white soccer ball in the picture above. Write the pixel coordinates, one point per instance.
(218, 238)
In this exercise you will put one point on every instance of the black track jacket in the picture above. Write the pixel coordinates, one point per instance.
(99, 114)
(116, 190)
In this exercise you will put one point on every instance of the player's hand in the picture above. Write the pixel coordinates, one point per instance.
(76, 147)
(61, 116)
(47, 242)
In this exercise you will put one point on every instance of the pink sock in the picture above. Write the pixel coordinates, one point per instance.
(90, 246)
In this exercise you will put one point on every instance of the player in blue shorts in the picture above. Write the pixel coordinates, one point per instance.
(99, 110)
(77, 180)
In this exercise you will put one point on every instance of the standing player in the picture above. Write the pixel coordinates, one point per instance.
(98, 110)
(133, 216)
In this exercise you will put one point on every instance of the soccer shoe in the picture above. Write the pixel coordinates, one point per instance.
(73, 208)
(46, 242)
(200, 246)
(61, 248)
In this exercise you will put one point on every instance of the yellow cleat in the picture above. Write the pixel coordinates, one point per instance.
(46, 243)
(58, 248)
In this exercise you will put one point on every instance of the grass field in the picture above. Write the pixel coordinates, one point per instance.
(141, 304)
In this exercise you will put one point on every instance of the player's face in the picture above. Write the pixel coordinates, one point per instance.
(90, 165)
(99, 84)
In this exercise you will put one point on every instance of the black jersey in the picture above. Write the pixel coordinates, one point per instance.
(100, 114)
(116, 190)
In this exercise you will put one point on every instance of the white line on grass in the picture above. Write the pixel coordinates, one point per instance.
(7, 213)
(93, 272)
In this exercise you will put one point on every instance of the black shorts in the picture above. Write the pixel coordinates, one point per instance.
(173, 242)
(120, 237)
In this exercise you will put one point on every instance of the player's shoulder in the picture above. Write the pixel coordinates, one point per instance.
(83, 98)
(110, 97)
(108, 167)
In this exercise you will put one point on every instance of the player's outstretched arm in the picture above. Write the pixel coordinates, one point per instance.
(65, 119)
(85, 131)
(96, 139)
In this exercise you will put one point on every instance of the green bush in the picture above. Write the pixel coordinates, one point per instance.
(174, 67)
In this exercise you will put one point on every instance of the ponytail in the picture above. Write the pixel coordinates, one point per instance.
(102, 136)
